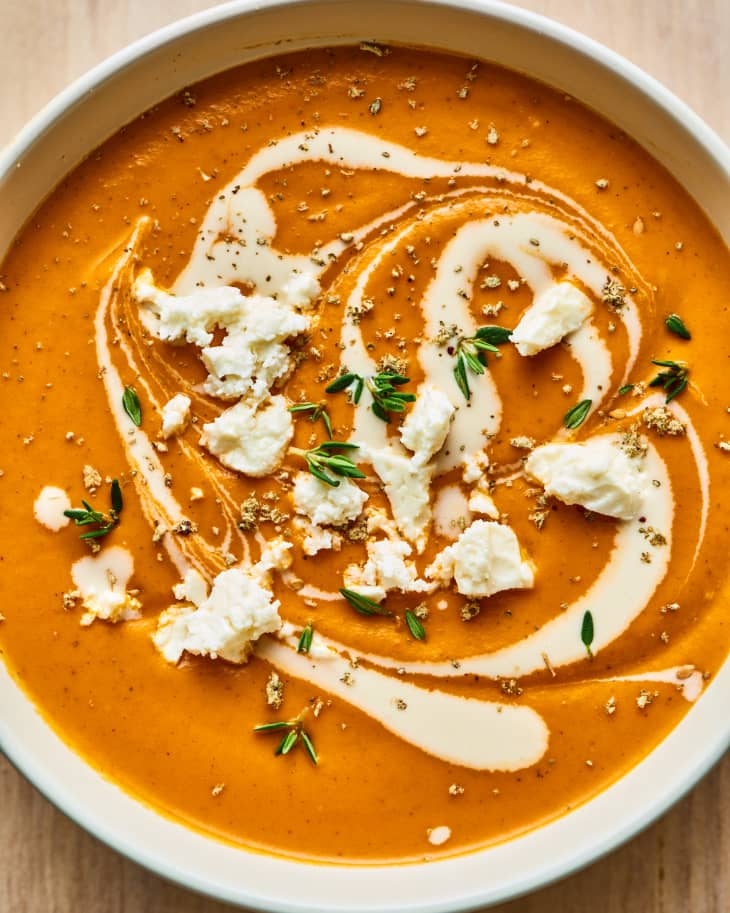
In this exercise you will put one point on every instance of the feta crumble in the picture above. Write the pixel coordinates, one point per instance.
(485, 559)
(596, 474)
(316, 538)
(386, 569)
(559, 310)
(324, 504)
(252, 355)
(189, 318)
(250, 439)
(427, 425)
(407, 486)
(175, 415)
(228, 621)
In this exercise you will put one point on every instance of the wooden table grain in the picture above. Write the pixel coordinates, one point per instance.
(679, 865)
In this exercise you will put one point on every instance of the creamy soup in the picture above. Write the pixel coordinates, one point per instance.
(365, 455)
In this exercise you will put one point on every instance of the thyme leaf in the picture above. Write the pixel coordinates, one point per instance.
(288, 742)
(317, 410)
(272, 727)
(675, 324)
(341, 383)
(132, 406)
(575, 417)
(362, 604)
(587, 632)
(414, 626)
(326, 457)
(674, 380)
(625, 389)
(471, 354)
(116, 497)
(309, 746)
(305, 638)
(104, 522)
(383, 388)
(294, 732)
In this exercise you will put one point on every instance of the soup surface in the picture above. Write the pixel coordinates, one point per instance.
(372, 396)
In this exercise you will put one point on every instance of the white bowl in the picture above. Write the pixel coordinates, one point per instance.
(114, 93)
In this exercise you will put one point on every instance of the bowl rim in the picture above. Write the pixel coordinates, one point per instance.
(543, 874)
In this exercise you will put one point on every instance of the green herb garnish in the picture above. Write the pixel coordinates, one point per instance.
(362, 604)
(343, 382)
(386, 397)
(325, 456)
(414, 625)
(294, 732)
(104, 522)
(673, 380)
(575, 417)
(132, 406)
(471, 354)
(383, 388)
(675, 324)
(317, 411)
(625, 389)
(586, 632)
(305, 638)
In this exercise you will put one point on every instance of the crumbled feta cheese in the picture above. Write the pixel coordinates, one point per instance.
(484, 560)
(174, 318)
(427, 425)
(49, 508)
(553, 314)
(596, 474)
(192, 589)
(275, 556)
(316, 538)
(386, 569)
(481, 502)
(324, 504)
(407, 487)
(250, 439)
(225, 623)
(175, 415)
(252, 356)
(101, 580)
(474, 465)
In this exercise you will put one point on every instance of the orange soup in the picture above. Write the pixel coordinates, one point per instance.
(365, 455)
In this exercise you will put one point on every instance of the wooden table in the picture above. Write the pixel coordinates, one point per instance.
(47, 864)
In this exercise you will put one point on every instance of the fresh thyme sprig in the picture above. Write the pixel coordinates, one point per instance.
(673, 380)
(132, 406)
(325, 456)
(362, 604)
(383, 388)
(471, 354)
(104, 523)
(317, 411)
(575, 417)
(586, 632)
(305, 638)
(675, 324)
(386, 397)
(414, 625)
(295, 732)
